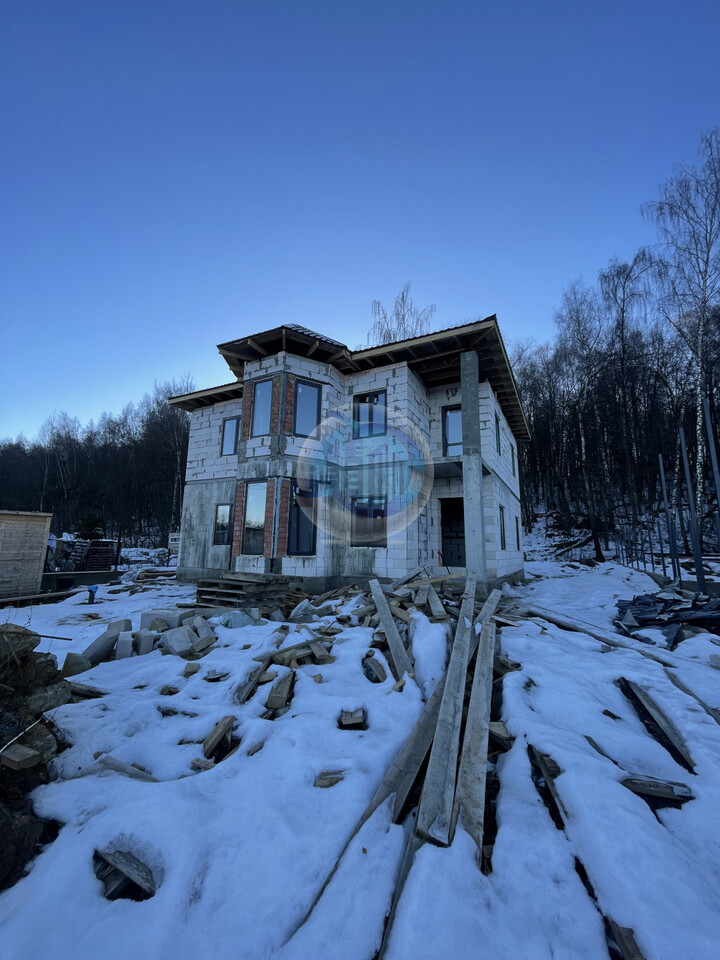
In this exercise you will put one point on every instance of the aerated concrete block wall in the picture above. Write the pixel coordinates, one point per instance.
(205, 442)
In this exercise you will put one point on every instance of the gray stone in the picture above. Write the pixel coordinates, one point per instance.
(303, 609)
(173, 618)
(47, 698)
(101, 648)
(159, 625)
(179, 641)
(202, 628)
(75, 663)
(143, 641)
(238, 618)
(124, 645)
(327, 610)
(276, 615)
(18, 640)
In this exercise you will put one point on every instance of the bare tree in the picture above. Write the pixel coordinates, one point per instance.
(404, 322)
(688, 219)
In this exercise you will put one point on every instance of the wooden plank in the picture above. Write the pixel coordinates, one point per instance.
(447, 576)
(713, 712)
(220, 730)
(624, 937)
(435, 812)
(549, 770)
(413, 845)
(407, 577)
(248, 688)
(281, 692)
(398, 653)
(660, 789)
(85, 690)
(436, 607)
(319, 651)
(661, 719)
(397, 611)
(581, 626)
(470, 800)
(421, 597)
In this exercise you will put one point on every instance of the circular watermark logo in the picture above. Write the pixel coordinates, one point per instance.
(363, 480)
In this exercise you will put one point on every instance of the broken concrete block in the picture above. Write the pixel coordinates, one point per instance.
(238, 618)
(75, 663)
(190, 669)
(17, 757)
(202, 628)
(124, 645)
(123, 875)
(47, 698)
(327, 610)
(173, 618)
(276, 615)
(143, 641)
(303, 609)
(353, 719)
(179, 641)
(101, 648)
(200, 764)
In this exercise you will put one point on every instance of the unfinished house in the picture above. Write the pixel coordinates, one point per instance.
(333, 464)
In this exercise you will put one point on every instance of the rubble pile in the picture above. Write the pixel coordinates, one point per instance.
(678, 614)
(30, 685)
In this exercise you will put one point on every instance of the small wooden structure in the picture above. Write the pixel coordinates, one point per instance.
(23, 544)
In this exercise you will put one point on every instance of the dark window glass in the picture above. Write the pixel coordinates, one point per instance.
(254, 529)
(502, 527)
(497, 434)
(222, 528)
(514, 458)
(452, 432)
(368, 522)
(229, 437)
(302, 529)
(307, 408)
(517, 532)
(262, 399)
(370, 414)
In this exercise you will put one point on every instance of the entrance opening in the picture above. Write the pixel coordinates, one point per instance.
(452, 525)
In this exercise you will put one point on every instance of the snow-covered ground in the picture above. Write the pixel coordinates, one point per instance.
(240, 851)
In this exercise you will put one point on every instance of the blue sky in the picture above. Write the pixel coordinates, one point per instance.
(177, 174)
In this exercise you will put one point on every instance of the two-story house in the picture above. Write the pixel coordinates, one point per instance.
(334, 464)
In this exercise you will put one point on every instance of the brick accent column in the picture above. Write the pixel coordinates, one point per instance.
(269, 516)
(238, 519)
(289, 405)
(284, 518)
(275, 408)
(248, 402)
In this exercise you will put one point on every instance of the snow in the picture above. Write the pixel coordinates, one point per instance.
(240, 851)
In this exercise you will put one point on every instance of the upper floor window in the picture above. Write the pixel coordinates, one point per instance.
(254, 526)
(370, 414)
(262, 402)
(497, 435)
(307, 408)
(223, 525)
(229, 437)
(452, 432)
(513, 454)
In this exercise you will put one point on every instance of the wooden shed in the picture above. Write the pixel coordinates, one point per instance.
(23, 544)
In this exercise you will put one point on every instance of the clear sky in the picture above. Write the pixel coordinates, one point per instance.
(176, 173)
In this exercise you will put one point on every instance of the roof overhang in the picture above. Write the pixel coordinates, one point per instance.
(205, 398)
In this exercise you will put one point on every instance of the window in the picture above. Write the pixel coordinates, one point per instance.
(513, 454)
(223, 526)
(302, 530)
(370, 414)
(517, 532)
(229, 437)
(307, 408)
(262, 400)
(368, 522)
(254, 528)
(497, 434)
(452, 432)
(502, 528)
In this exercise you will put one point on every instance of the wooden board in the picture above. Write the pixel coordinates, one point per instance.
(661, 719)
(220, 730)
(398, 653)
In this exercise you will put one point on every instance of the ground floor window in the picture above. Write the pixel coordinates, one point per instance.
(368, 522)
(223, 526)
(503, 545)
(254, 526)
(302, 532)
(517, 531)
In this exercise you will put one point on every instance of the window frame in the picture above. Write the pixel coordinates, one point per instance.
(226, 538)
(233, 452)
(501, 521)
(256, 384)
(445, 410)
(243, 548)
(356, 420)
(517, 532)
(353, 522)
(294, 513)
(317, 386)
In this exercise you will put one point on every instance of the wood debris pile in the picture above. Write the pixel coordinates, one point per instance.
(678, 614)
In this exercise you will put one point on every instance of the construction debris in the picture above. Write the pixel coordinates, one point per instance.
(123, 875)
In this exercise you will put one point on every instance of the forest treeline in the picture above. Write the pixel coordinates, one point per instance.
(635, 355)
(121, 477)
